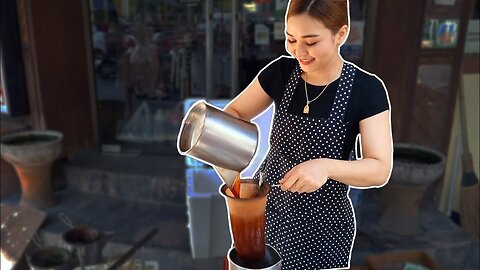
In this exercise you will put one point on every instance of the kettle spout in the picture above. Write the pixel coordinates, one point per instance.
(227, 176)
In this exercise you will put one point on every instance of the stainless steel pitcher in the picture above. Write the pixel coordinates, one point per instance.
(219, 139)
(87, 242)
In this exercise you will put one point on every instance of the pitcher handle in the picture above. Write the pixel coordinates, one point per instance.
(67, 221)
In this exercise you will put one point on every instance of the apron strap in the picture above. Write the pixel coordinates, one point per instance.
(290, 88)
(342, 95)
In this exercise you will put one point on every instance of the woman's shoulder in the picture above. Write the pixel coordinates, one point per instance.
(369, 95)
(282, 65)
(276, 72)
(365, 76)
(368, 82)
(285, 59)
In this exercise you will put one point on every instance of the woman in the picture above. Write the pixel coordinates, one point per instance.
(321, 103)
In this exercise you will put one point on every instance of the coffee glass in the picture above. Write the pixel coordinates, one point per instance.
(247, 219)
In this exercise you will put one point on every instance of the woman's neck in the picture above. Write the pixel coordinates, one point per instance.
(327, 74)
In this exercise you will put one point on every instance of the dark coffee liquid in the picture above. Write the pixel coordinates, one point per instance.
(249, 236)
(236, 187)
(248, 224)
(81, 236)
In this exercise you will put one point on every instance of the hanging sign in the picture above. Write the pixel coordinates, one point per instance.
(262, 34)
(278, 31)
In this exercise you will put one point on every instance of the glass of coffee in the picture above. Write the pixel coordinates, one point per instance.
(247, 219)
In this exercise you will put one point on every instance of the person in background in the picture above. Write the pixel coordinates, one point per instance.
(322, 103)
(139, 67)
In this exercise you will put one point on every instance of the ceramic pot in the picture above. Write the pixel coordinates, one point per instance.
(414, 168)
(32, 153)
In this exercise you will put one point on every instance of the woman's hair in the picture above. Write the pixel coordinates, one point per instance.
(332, 13)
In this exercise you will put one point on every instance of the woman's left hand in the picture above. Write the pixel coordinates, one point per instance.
(306, 177)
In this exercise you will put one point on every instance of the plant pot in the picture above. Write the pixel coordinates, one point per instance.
(414, 169)
(32, 153)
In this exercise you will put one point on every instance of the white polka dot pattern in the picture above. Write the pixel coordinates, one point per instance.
(310, 230)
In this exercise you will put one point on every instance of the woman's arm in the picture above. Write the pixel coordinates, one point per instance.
(371, 171)
(250, 103)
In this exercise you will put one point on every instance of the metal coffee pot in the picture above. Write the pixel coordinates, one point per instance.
(219, 139)
(87, 242)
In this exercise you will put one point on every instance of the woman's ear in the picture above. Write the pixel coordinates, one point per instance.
(342, 34)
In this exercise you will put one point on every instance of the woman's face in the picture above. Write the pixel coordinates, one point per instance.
(311, 43)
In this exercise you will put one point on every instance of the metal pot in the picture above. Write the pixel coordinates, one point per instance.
(87, 242)
(272, 260)
(217, 138)
(50, 258)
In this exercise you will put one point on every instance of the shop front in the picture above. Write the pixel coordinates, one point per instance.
(150, 57)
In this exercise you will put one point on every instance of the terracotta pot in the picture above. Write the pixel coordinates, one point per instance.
(414, 169)
(415, 165)
(32, 154)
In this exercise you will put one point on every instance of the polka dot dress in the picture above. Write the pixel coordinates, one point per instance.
(309, 230)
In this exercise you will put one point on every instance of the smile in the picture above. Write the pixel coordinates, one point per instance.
(305, 61)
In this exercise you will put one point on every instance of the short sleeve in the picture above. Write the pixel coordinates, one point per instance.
(375, 98)
(273, 77)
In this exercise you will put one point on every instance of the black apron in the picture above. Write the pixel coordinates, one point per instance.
(309, 230)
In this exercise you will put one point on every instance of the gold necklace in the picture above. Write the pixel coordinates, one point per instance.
(306, 109)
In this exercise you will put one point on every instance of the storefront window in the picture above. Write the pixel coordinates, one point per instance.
(151, 55)
(262, 38)
(148, 57)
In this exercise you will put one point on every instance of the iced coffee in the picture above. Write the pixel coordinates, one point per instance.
(247, 220)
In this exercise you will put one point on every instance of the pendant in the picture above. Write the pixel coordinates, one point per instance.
(306, 109)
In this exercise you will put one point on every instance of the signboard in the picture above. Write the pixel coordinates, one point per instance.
(279, 31)
(262, 34)
(440, 33)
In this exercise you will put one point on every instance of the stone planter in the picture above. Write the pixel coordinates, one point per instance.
(32, 154)
(414, 169)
